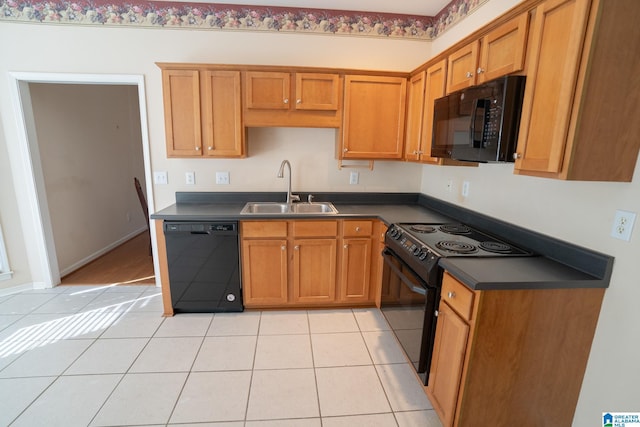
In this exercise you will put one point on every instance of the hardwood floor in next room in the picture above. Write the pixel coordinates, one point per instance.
(129, 263)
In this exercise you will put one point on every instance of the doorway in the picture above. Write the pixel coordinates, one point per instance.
(44, 242)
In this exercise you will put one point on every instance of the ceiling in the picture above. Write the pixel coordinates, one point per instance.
(404, 7)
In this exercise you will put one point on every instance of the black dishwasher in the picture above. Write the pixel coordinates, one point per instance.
(204, 266)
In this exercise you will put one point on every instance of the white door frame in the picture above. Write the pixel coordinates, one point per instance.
(31, 175)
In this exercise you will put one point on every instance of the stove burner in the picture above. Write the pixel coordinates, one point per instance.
(455, 229)
(456, 247)
(420, 228)
(497, 247)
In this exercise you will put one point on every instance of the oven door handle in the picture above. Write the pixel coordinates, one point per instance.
(386, 254)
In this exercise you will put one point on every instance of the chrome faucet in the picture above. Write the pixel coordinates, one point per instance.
(290, 197)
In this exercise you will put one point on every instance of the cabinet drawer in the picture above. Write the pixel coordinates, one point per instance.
(315, 228)
(263, 228)
(458, 296)
(357, 228)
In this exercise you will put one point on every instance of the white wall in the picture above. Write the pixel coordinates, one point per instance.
(90, 149)
(577, 212)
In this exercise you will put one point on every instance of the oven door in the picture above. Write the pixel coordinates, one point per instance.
(409, 303)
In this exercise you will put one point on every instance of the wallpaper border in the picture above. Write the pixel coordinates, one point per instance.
(216, 16)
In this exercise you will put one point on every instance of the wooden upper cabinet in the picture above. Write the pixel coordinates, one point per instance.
(502, 51)
(223, 132)
(267, 90)
(579, 118)
(317, 91)
(496, 54)
(181, 93)
(203, 113)
(299, 99)
(415, 105)
(462, 67)
(373, 124)
(436, 81)
(272, 91)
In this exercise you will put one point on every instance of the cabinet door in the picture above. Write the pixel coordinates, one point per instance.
(436, 81)
(264, 272)
(181, 93)
(415, 104)
(267, 90)
(502, 50)
(314, 270)
(447, 361)
(556, 44)
(355, 269)
(317, 91)
(462, 67)
(222, 114)
(373, 125)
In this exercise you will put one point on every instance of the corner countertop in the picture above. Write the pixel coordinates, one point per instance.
(557, 265)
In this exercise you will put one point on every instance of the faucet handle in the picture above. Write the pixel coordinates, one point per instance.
(295, 198)
(310, 198)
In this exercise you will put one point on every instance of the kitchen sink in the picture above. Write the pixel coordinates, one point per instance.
(265, 208)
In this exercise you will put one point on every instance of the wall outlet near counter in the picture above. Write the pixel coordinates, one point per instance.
(222, 178)
(190, 178)
(465, 189)
(623, 225)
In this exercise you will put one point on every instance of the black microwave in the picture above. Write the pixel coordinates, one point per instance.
(480, 123)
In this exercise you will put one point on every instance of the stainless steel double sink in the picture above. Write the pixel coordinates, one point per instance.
(298, 208)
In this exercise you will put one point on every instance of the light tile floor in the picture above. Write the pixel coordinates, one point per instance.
(104, 356)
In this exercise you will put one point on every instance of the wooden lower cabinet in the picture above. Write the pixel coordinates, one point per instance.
(264, 266)
(309, 263)
(511, 357)
(314, 270)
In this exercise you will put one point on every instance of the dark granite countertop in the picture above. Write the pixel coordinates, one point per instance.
(557, 264)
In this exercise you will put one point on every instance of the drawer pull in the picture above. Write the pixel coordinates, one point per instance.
(451, 294)
(357, 229)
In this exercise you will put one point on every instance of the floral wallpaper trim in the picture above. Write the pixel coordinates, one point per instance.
(214, 16)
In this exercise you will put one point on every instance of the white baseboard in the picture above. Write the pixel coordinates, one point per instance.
(18, 288)
(98, 254)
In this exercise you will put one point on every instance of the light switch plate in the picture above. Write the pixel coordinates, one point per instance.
(160, 178)
(465, 189)
(353, 177)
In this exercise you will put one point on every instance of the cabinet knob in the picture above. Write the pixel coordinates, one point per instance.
(210, 148)
(298, 101)
(296, 247)
(345, 150)
(197, 148)
(517, 156)
(451, 294)
(286, 100)
(480, 70)
(283, 247)
(346, 246)
(357, 229)
(469, 74)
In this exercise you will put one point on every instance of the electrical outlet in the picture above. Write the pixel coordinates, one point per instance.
(190, 178)
(353, 177)
(160, 178)
(222, 178)
(465, 189)
(623, 225)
